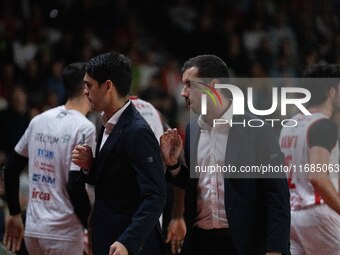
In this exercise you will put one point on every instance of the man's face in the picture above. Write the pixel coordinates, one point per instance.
(190, 92)
(95, 93)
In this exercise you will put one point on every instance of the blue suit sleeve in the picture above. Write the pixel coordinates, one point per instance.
(148, 165)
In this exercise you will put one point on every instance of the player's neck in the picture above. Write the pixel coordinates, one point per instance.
(77, 104)
(324, 108)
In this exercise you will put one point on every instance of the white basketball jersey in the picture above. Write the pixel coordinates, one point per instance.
(48, 143)
(294, 144)
(150, 114)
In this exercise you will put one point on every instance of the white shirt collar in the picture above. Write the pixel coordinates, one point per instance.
(115, 117)
(228, 115)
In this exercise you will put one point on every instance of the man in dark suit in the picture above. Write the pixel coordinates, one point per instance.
(127, 169)
(244, 216)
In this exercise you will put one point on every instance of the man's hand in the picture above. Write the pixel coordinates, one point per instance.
(176, 233)
(118, 249)
(14, 232)
(82, 156)
(171, 146)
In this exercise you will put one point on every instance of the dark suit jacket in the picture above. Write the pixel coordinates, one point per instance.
(130, 188)
(258, 210)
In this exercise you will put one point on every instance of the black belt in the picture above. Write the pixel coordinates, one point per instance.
(215, 232)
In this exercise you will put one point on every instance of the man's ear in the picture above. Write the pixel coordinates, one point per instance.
(332, 92)
(221, 92)
(108, 86)
(214, 81)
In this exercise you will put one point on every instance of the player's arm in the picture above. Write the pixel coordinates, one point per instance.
(14, 228)
(320, 181)
(12, 170)
(323, 137)
(78, 196)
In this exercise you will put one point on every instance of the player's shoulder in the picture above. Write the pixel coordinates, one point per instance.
(140, 104)
(43, 116)
(323, 127)
(80, 121)
(324, 123)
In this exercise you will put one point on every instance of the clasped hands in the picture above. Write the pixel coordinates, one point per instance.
(82, 156)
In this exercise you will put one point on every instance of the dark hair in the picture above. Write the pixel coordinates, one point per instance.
(73, 75)
(209, 66)
(319, 88)
(111, 66)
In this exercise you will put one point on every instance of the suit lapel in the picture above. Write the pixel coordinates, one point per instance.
(194, 136)
(234, 144)
(99, 140)
(114, 136)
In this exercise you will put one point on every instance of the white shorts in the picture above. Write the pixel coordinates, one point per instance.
(315, 231)
(41, 246)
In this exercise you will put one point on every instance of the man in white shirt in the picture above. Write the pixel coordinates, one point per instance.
(244, 216)
(58, 206)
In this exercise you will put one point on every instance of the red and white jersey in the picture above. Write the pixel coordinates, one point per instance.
(48, 142)
(150, 114)
(294, 144)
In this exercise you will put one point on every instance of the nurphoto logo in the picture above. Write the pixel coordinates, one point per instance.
(281, 98)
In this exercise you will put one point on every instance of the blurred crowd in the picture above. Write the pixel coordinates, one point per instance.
(256, 38)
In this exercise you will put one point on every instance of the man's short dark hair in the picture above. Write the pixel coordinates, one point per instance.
(209, 66)
(319, 88)
(111, 66)
(73, 75)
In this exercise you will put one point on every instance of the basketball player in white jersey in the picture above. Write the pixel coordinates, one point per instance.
(58, 206)
(150, 114)
(313, 144)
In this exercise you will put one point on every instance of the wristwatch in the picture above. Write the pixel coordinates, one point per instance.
(174, 167)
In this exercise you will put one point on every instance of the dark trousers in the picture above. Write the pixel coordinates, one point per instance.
(214, 241)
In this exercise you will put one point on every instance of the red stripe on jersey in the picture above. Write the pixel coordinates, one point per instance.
(317, 198)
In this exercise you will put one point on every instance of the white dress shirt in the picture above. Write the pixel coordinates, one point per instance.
(212, 147)
(113, 120)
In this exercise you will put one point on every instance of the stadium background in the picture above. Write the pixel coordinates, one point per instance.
(256, 38)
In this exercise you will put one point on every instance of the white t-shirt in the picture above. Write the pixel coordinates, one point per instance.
(294, 144)
(48, 143)
(150, 114)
